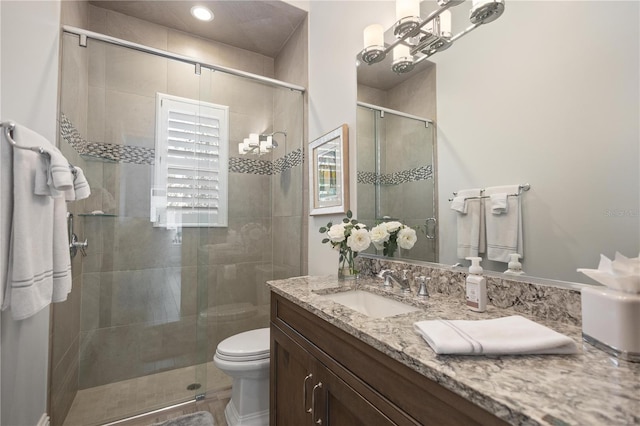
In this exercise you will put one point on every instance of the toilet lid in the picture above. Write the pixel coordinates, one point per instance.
(248, 346)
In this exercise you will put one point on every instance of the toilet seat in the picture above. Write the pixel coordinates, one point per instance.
(251, 345)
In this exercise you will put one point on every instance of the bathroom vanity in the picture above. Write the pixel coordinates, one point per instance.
(331, 365)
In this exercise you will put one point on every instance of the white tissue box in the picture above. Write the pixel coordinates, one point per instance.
(611, 321)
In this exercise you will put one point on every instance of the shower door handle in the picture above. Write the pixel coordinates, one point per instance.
(431, 235)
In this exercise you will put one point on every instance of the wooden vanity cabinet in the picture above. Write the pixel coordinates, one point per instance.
(321, 375)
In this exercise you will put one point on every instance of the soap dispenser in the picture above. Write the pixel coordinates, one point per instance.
(476, 286)
(515, 267)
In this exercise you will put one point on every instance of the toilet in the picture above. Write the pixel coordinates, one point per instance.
(245, 357)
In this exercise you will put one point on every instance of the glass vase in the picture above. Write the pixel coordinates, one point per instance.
(346, 266)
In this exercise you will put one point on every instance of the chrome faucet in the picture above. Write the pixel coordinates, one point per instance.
(389, 277)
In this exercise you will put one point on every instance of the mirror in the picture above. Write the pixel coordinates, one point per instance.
(329, 172)
(520, 102)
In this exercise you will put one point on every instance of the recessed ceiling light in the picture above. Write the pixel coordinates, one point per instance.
(202, 13)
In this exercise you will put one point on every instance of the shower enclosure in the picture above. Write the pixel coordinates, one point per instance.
(396, 154)
(183, 230)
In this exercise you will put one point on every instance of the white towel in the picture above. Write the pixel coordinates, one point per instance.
(504, 231)
(39, 269)
(53, 173)
(499, 203)
(513, 335)
(80, 185)
(459, 204)
(469, 224)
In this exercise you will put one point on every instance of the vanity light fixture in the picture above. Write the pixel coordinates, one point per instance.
(259, 144)
(202, 13)
(418, 38)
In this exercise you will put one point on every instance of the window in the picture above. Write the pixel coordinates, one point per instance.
(191, 163)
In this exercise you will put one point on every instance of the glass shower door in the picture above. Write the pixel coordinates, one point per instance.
(396, 175)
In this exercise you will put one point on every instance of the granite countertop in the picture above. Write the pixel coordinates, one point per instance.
(588, 388)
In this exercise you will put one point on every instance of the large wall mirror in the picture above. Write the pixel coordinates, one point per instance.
(539, 96)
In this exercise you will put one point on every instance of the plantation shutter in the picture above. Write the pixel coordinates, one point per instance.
(191, 163)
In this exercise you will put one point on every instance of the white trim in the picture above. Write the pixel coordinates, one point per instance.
(44, 420)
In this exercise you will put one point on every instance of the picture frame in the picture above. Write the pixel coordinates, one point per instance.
(329, 172)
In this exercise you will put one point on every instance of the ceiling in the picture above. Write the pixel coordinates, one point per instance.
(259, 26)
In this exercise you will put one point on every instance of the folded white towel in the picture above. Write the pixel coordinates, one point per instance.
(459, 204)
(37, 263)
(513, 335)
(499, 203)
(469, 224)
(504, 231)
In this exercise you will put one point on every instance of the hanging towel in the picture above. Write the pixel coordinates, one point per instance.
(504, 230)
(513, 335)
(469, 224)
(53, 173)
(499, 203)
(459, 204)
(37, 262)
(80, 185)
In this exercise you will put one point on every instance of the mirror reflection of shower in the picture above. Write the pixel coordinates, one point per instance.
(259, 144)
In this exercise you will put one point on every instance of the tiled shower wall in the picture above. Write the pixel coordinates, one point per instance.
(139, 284)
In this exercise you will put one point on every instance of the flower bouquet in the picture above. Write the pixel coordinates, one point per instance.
(348, 237)
(388, 236)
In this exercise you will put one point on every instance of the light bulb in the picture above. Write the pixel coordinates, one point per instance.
(406, 8)
(254, 140)
(401, 51)
(445, 24)
(374, 35)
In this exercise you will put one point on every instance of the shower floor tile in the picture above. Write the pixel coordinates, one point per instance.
(102, 404)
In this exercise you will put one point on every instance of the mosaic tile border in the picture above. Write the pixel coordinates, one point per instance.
(540, 301)
(141, 155)
(264, 167)
(105, 151)
(396, 178)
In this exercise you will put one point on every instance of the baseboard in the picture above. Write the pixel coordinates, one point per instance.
(44, 420)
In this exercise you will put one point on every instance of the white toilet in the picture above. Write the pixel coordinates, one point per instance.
(245, 357)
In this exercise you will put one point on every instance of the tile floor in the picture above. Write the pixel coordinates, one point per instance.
(103, 404)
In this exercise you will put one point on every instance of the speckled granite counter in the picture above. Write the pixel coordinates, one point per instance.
(589, 388)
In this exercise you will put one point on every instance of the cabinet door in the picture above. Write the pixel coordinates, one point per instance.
(291, 382)
(341, 405)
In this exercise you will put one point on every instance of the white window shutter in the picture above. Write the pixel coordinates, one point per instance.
(191, 163)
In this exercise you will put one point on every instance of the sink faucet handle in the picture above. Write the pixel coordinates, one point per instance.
(385, 274)
(423, 286)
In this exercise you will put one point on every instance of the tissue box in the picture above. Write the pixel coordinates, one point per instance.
(611, 321)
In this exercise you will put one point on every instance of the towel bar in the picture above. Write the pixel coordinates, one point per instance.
(521, 188)
(8, 127)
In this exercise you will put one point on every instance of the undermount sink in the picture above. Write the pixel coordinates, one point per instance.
(372, 305)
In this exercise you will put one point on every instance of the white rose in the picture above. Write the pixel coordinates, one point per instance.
(361, 225)
(407, 238)
(358, 240)
(393, 226)
(379, 235)
(336, 233)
